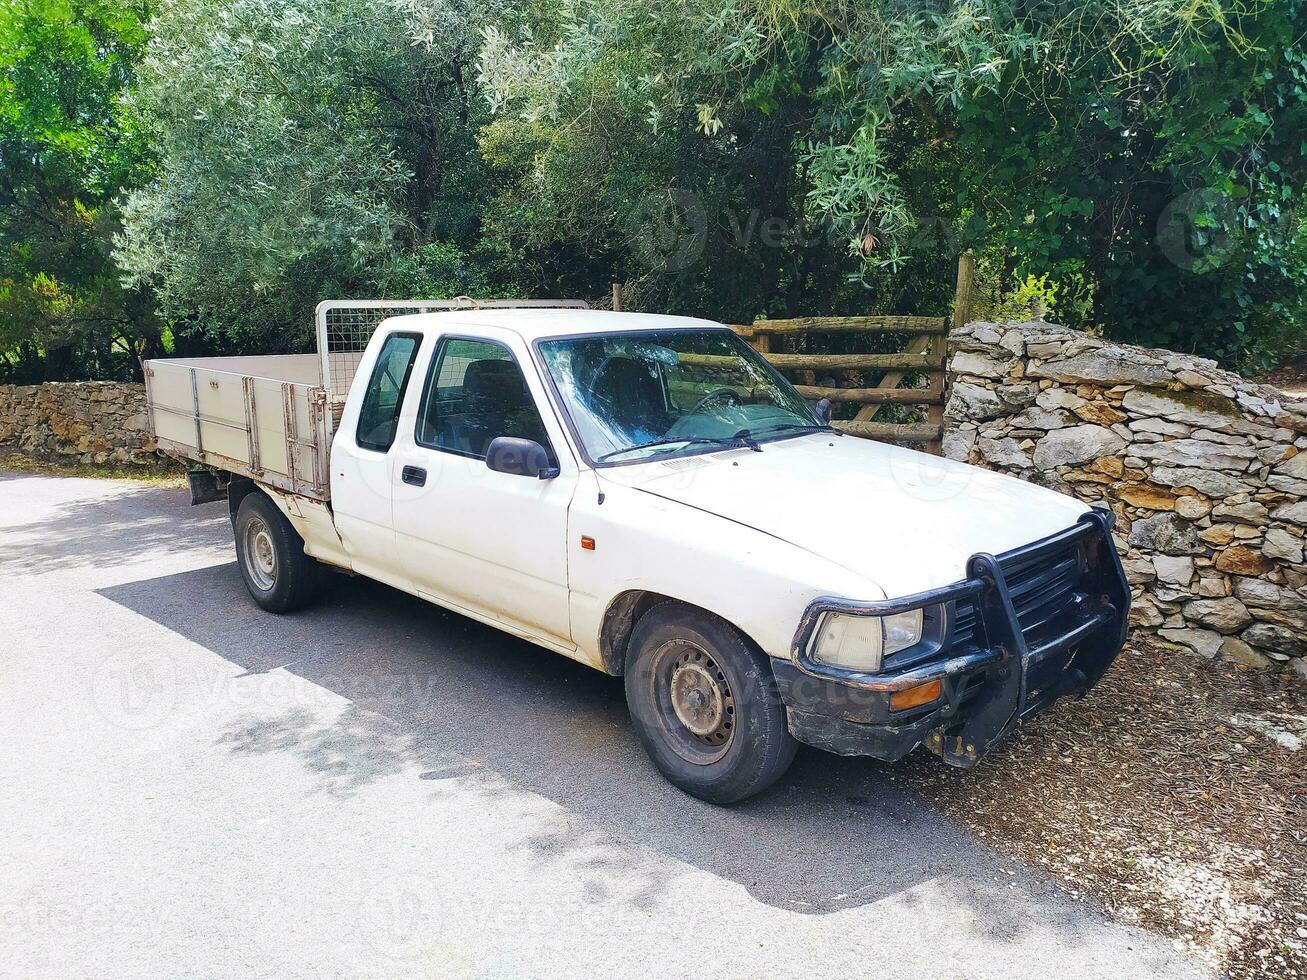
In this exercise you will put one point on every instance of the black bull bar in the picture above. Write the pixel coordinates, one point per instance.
(1005, 675)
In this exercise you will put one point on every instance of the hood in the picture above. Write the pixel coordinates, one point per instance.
(904, 519)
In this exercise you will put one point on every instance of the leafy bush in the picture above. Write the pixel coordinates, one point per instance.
(66, 151)
(1136, 168)
(1146, 157)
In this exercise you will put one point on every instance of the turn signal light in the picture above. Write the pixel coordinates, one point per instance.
(914, 697)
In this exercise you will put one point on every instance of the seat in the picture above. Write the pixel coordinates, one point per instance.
(496, 402)
(629, 392)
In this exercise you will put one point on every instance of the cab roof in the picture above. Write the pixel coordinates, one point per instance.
(534, 324)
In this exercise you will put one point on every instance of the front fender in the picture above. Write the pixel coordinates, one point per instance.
(643, 542)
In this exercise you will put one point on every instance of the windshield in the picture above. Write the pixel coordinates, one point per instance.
(641, 395)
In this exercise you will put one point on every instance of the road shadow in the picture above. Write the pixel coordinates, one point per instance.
(432, 690)
(94, 523)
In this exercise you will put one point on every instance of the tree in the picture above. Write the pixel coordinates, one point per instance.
(66, 151)
(1147, 157)
(307, 149)
(664, 146)
(1136, 165)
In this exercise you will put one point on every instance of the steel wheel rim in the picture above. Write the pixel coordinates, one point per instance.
(260, 555)
(695, 702)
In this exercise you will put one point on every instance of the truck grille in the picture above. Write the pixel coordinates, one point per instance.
(1043, 588)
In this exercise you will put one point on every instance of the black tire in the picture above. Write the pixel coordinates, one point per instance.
(270, 554)
(742, 744)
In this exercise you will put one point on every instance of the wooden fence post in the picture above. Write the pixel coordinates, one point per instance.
(962, 294)
(617, 297)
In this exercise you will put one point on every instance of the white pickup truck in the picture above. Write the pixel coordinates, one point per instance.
(647, 495)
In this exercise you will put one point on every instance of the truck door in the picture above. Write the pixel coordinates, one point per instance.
(362, 457)
(490, 542)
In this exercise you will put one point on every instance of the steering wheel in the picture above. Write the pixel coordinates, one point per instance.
(725, 393)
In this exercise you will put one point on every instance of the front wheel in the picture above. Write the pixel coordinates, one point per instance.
(270, 553)
(705, 705)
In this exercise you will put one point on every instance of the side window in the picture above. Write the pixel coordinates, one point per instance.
(385, 393)
(475, 392)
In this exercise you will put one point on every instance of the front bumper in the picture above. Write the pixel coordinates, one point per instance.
(1023, 629)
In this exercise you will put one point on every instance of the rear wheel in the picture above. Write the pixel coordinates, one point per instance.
(270, 553)
(705, 705)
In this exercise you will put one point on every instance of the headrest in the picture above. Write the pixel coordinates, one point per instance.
(624, 372)
(494, 378)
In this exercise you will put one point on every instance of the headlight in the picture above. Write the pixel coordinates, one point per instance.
(902, 631)
(861, 642)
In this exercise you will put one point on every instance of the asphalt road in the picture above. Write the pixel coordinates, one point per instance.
(375, 787)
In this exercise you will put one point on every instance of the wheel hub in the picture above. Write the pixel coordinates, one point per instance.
(695, 704)
(260, 555)
(697, 699)
(263, 552)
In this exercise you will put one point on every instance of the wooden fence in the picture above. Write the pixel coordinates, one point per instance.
(925, 353)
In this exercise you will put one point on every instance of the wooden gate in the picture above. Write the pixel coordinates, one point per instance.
(923, 356)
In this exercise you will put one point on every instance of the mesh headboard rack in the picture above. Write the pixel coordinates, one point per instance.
(346, 325)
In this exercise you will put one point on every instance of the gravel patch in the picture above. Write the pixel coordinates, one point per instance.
(1175, 795)
(167, 473)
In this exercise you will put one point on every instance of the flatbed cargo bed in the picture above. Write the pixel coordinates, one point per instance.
(272, 417)
(264, 417)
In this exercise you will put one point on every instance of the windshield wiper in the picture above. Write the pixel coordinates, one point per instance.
(746, 437)
(811, 426)
(741, 439)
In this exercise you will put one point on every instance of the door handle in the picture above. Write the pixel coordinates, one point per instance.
(414, 476)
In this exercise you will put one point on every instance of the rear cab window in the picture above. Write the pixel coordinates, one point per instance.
(379, 415)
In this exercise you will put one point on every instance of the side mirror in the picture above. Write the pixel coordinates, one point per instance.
(520, 457)
(823, 410)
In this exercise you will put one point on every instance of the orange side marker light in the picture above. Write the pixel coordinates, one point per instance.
(914, 697)
(587, 543)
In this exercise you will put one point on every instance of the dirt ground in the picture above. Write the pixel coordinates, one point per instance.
(1291, 377)
(164, 475)
(1173, 795)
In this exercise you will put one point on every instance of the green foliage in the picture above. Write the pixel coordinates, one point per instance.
(673, 148)
(1132, 167)
(1161, 165)
(66, 150)
(442, 270)
(1031, 298)
(307, 149)
(1147, 157)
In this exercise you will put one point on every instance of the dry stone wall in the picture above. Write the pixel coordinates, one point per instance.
(101, 422)
(1206, 473)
